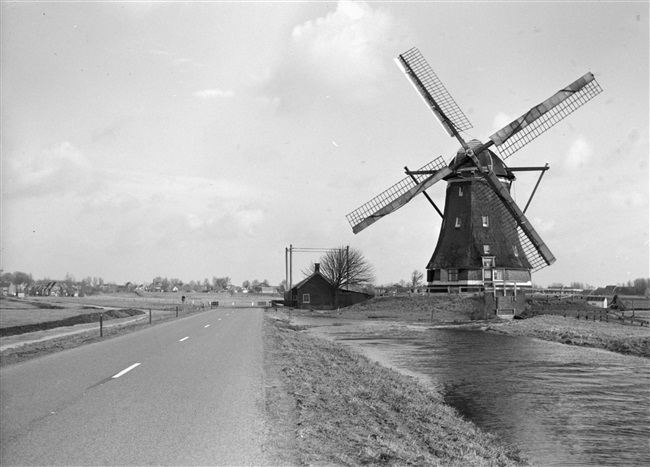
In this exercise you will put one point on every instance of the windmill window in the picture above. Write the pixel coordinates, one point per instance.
(453, 274)
(460, 191)
(486, 249)
(486, 221)
(458, 222)
(306, 298)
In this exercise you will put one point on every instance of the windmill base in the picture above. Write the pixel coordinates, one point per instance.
(503, 301)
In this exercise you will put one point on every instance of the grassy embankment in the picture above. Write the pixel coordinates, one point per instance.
(612, 336)
(347, 410)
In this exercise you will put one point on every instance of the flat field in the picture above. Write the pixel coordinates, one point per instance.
(33, 310)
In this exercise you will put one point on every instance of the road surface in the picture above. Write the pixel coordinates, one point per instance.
(187, 392)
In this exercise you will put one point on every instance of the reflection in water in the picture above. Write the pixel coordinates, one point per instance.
(559, 404)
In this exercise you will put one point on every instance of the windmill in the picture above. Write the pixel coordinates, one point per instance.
(485, 241)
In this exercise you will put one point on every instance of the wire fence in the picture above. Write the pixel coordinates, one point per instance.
(604, 315)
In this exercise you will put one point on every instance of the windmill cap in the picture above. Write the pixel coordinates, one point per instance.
(486, 158)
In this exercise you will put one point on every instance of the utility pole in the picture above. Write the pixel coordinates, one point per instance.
(290, 266)
(347, 266)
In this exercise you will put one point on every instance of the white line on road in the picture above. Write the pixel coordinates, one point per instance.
(206, 326)
(126, 370)
(187, 337)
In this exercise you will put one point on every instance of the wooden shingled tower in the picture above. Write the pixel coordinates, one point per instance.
(486, 243)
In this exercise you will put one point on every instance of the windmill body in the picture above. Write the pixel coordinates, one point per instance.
(486, 243)
(473, 249)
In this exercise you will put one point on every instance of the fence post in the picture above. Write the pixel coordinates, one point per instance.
(149, 315)
(101, 325)
(177, 311)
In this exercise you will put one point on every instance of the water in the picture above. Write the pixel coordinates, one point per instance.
(560, 405)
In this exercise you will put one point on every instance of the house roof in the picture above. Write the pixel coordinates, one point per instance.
(308, 278)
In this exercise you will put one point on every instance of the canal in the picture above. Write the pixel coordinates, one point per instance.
(560, 405)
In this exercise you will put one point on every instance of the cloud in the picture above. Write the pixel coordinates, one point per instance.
(579, 154)
(62, 169)
(543, 226)
(215, 93)
(167, 209)
(501, 120)
(346, 52)
(183, 63)
(152, 206)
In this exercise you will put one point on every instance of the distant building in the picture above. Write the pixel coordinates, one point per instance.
(7, 289)
(598, 301)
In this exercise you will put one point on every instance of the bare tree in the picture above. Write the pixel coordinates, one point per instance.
(416, 278)
(345, 267)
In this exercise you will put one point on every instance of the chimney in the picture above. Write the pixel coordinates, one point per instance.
(317, 267)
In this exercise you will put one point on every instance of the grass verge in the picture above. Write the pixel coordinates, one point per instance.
(348, 410)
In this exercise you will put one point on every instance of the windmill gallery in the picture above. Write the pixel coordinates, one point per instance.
(486, 244)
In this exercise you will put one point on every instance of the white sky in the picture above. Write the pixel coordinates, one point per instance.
(194, 140)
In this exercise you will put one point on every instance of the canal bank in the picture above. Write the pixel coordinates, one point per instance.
(627, 339)
(345, 409)
(558, 404)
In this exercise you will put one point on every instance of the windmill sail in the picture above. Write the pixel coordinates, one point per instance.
(435, 95)
(397, 196)
(537, 120)
(522, 231)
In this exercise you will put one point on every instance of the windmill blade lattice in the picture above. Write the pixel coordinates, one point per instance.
(433, 92)
(384, 199)
(537, 120)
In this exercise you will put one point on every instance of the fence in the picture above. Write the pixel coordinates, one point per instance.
(627, 318)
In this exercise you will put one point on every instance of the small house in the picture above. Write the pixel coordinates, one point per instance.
(317, 292)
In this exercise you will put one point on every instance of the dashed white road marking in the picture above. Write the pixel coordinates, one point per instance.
(126, 370)
(219, 319)
(184, 338)
(206, 326)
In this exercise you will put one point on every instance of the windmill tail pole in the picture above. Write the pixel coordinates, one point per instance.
(536, 185)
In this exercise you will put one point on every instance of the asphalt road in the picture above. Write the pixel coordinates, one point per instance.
(187, 392)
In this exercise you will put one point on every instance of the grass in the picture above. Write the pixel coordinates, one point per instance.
(20, 312)
(33, 310)
(93, 317)
(348, 410)
(409, 308)
(612, 336)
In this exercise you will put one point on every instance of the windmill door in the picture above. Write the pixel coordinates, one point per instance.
(488, 271)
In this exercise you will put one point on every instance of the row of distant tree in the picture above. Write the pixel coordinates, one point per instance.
(217, 284)
(165, 284)
(344, 268)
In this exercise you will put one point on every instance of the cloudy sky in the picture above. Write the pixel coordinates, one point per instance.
(193, 140)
